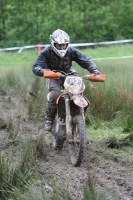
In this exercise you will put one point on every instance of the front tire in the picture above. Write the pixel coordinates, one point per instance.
(77, 143)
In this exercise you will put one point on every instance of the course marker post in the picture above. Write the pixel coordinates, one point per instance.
(39, 48)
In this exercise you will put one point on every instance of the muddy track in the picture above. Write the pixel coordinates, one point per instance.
(111, 177)
(112, 173)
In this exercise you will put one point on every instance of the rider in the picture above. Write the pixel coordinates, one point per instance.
(59, 56)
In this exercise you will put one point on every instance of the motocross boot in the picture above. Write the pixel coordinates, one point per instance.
(50, 115)
(51, 108)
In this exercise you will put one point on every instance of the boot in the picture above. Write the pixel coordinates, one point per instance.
(50, 116)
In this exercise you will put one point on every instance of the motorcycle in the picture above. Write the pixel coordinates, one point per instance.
(69, 124)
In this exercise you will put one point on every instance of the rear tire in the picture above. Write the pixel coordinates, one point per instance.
(77, 146)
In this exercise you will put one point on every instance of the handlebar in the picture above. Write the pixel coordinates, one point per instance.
(55, 74)
(66, 74)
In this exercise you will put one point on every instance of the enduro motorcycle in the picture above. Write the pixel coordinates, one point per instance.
(69, 124)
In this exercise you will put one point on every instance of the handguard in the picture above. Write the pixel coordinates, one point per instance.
(51, 75)
(96, 78)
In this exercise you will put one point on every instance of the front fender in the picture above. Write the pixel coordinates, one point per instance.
(80, 101)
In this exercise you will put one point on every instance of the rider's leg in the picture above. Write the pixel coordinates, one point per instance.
(51, 109)
(54, 88)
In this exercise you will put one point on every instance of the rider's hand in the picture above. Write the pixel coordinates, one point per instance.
(96, 72)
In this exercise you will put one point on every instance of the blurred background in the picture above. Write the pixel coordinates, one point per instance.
(31, 22)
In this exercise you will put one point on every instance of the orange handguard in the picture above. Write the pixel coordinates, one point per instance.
(96, 78)
(51, 75)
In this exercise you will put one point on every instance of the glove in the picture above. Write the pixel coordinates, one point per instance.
(96, 72)
(51, 75)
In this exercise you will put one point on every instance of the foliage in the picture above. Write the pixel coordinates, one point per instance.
(113, 98)
(37, 100)
(90, 191)
(21, 182)
(109, 101)
(129, 123)
(15, 177)
(113, 141)
(25, 23)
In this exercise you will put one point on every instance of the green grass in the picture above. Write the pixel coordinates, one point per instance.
(27, 57)
(109, 117)
(14, 60)
(110, 51)
(15, 177)
(109, 100)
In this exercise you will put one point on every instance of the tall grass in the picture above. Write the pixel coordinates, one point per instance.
(114, 97)
(15, 177)
(90, 191)
(37, 98)
(116, 94)
(16, 70)
(109, 100)
(22, 182)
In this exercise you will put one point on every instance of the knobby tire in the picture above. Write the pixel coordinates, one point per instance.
(78, 131)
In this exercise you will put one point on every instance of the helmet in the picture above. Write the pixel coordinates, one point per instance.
(59, 37)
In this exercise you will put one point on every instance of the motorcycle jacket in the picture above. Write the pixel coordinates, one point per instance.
(48, 59)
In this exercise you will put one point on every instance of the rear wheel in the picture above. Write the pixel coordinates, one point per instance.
(77, 141)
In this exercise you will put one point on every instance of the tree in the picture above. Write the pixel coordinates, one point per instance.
(31, 22)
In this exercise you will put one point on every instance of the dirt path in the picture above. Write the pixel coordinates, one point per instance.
(111, 174)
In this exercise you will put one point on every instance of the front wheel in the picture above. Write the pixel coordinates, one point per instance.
(77, 141)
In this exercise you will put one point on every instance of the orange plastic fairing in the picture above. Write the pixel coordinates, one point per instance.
(51, 75)
(96, 78)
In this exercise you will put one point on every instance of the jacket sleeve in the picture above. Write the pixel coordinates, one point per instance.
(41, 63)
(82, 60)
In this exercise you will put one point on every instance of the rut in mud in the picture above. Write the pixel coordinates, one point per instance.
(111, 173)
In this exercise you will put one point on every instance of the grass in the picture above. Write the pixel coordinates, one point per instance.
(112, 100)
(37, 98)
(109, 118)
(25, 59)
(109, 51)
(15, 177)
(21, 181)
(14, 60)
(90, 192)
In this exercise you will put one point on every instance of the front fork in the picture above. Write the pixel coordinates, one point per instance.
(82, 113)
(68, 116)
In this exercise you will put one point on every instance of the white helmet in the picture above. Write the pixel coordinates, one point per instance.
(59, 37)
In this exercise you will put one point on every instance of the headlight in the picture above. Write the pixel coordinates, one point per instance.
(74, 85)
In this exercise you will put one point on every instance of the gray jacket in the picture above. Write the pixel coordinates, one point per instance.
(48, 59)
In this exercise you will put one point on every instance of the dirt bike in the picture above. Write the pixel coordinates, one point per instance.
(69, 125)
